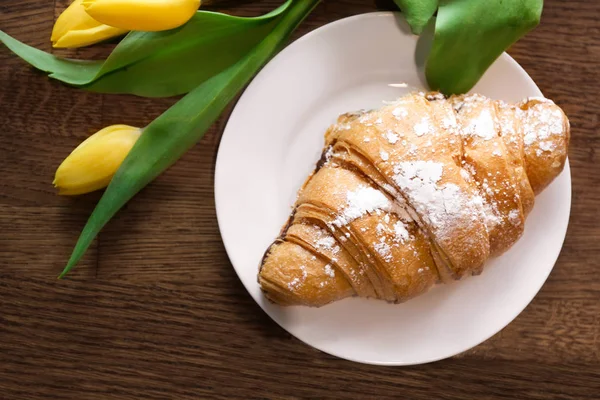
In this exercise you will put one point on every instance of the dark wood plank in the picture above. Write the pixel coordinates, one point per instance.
(213, 343)
(155, 310)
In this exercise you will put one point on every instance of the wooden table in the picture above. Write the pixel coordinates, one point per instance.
(155, 310)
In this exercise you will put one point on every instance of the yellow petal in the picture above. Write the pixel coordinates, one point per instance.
(93, 163)
(142, 15)
(75, 28)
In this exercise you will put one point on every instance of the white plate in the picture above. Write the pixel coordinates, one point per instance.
(272, 141)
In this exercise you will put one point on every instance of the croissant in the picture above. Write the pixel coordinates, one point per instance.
(419, 192)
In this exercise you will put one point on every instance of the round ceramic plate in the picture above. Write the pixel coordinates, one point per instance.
(274, 138)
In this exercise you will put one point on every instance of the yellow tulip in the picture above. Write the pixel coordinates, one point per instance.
(75, 28)
(142, 15)
(93, 163)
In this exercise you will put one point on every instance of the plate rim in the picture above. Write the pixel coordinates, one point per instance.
(228, 248)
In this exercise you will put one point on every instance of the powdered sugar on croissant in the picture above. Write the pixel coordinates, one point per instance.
(421, 191)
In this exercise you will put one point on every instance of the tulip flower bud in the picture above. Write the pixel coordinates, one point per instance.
(75, 28)
(93, 163)
(142, 15)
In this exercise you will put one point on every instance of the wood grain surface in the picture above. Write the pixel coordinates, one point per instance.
(155, 310)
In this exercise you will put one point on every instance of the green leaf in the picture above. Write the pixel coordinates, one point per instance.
(77, 71)
(169, 136)
(160, 64)
(471, 34)
(417, 12)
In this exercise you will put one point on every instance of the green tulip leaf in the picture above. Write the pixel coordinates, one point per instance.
(471, 34)
(169, 136)
(160, 64)
(417, 12)
(77, 71)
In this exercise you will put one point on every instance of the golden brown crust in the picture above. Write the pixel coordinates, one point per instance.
(546, 134)
(421, 191)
